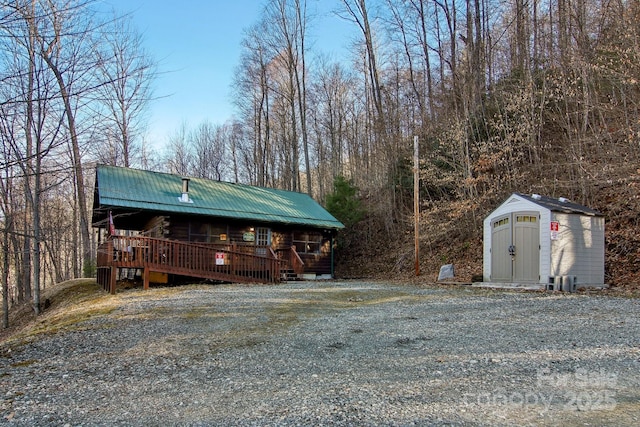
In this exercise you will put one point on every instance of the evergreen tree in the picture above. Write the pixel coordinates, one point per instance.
(343, 203)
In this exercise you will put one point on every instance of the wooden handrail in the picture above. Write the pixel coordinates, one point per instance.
(297, 265)
(218, 262)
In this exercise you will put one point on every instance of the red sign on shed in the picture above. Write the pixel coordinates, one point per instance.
(555, 228)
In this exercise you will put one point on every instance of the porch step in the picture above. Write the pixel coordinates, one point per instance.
(288, 275)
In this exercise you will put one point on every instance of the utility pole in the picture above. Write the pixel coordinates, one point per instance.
(416, 202)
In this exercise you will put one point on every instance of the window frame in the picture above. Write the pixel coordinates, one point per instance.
(309, 240)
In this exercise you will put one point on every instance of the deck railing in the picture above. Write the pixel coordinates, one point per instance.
(209, 261)
(295, 262)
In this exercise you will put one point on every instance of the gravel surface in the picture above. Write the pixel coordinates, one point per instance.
(332, 353)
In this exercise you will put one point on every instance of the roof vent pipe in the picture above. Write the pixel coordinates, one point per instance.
(563, 200)
(536, 196)
(185, 191)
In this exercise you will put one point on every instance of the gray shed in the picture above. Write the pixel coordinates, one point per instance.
(545, 242)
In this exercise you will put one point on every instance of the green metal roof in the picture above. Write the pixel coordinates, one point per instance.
(127, 188)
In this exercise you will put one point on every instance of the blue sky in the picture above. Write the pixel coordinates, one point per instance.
(196, 44)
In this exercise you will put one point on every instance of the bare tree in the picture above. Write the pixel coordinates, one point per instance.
(62, 37)
(358, 12)
(449, 10)
(7, 212)
(253, 98)
(332, 93)
(410, 22)
(127, 72)
(235, 139)
(179, 159)
(40, 131)
(285, 21)
(209, 150)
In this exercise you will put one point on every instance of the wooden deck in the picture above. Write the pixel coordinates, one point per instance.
(231, 263)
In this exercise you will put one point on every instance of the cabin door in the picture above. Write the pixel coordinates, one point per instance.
(515, 247)
(263, 238)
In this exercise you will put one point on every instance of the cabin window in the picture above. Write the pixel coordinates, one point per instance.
(198, 232)
(263, 236)
(307, 243)
(202, 232)
(218, 234)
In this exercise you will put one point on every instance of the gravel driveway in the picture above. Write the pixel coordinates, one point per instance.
(332, 353)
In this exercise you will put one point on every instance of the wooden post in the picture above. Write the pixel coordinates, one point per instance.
(332, 261)
(145, 278)
(112, 280)
(416, 202)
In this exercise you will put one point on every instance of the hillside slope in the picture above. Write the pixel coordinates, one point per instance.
(451, 232)
(67, 303)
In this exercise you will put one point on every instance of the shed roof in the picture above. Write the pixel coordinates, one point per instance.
(135, 189)
(559, 205)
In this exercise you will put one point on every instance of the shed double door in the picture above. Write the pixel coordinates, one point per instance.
(515, 247)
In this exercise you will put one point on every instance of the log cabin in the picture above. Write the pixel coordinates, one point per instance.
(163, 226)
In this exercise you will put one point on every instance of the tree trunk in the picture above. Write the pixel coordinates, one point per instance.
(301, 83)
(5, 271)
(77, 164)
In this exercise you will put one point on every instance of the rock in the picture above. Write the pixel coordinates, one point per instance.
(446, 272)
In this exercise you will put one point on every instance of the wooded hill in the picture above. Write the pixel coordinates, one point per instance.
(504, 96)
(452, 233)
(559, 119)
